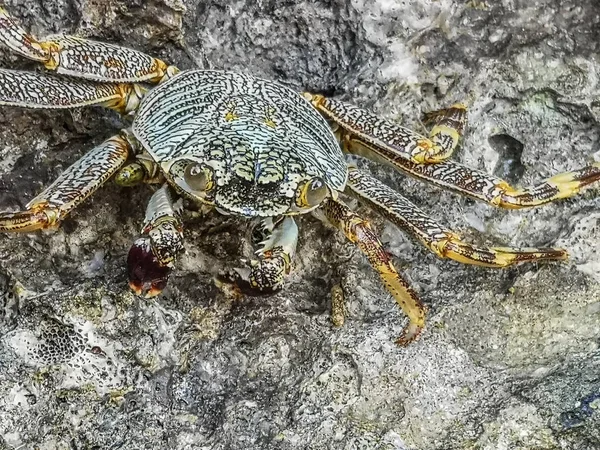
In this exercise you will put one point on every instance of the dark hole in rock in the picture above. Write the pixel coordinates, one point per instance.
(509, 165)
(69, 226)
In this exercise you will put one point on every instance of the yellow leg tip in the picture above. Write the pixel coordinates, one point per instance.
(410, 334)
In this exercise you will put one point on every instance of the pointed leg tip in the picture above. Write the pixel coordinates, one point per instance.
(136, 288)
(153, 291)
(147, 289)
(559, 254)
(410, 334)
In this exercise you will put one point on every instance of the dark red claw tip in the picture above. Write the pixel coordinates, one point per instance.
(146, 276)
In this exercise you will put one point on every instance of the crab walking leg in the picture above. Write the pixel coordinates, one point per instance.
(71, 188)
(479, 185)
(153, 255)
(363, 133)
(359, 232)
(273, 262)
(38, 90)
(374, 131)
(18, 40)
(440, 240)
(82, 58)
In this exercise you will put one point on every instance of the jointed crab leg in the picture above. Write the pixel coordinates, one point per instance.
(274, 256)
(17, 39)
(69, 55)
(358, 231)
(38, 90)
(363, 133)
(440, 240)
(482, 186)
(142, 170)
(153, 255)
(373, 131)
(71, 188)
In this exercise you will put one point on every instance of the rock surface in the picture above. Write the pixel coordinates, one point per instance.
(509, 359)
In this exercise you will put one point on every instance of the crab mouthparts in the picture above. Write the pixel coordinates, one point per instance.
(147, 277)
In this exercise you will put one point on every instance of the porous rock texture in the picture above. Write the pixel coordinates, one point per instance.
(509, 359)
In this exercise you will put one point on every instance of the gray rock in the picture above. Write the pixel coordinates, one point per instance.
(509, 359)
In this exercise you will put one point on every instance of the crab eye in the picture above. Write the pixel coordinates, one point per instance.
(199, 178)
(312, 193)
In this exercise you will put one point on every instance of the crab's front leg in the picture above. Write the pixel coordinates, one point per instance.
(71, 188)
(82, 58)
(273, 259)
(152, 256)
(359, 232)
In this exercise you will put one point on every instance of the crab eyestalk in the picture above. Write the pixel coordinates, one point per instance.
(152, 256)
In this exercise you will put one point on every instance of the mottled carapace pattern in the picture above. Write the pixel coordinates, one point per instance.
(261, 139)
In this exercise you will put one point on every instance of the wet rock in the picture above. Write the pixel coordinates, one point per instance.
(509, 358)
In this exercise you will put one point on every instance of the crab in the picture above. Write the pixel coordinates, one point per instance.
(253, 148)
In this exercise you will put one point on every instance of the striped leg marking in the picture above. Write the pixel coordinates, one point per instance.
(448, 127)
(440, 240)
(70, 189)
(153, 255)
(18, 40)
(274, 256)
(363, 133)
(359, 232)
(459, 178)
(39, 90)
(82, 58)
(142, 170)
(364, 126)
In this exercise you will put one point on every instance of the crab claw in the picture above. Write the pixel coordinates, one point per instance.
(266, 273)
(262, 277)
(147, 277)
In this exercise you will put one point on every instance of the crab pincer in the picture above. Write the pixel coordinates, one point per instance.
(152, 256)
